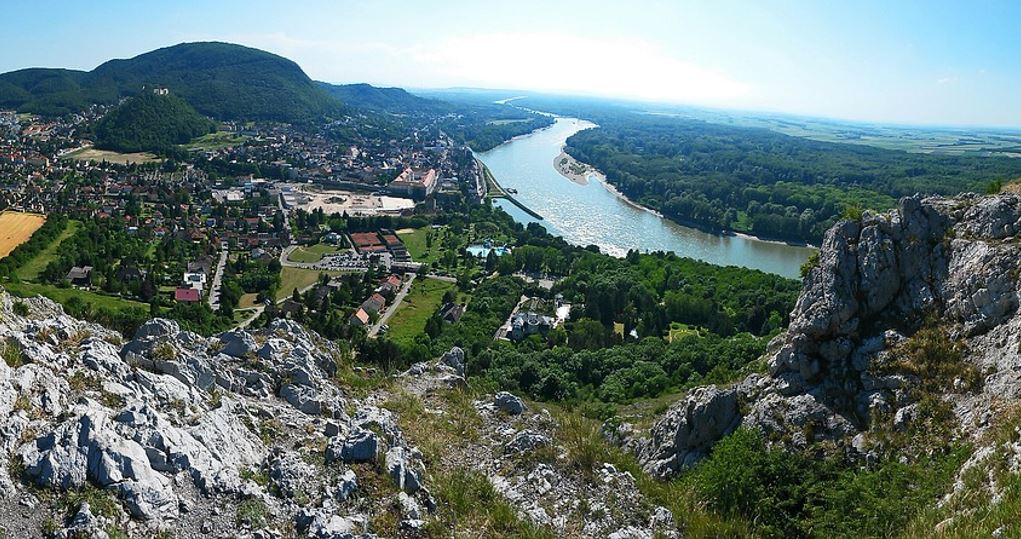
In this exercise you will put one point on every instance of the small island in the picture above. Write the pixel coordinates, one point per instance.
(575, 170)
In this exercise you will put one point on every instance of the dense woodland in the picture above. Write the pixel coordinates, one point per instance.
(150, 122)
(485, 127)
(641, 326)
(759, 181)
(220, 80)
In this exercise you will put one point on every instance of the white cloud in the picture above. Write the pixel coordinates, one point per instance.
(528, 61)
(564, 62)
(946, 80)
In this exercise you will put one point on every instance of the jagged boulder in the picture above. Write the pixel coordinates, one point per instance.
(157, 328)
(405, 469)
(85, 524)
(509, 403)
(525, 441)
(346, 485)
(290, 475)
(454, 359)
(238, 343)
(688, 430)
(88, 448)
(360, 445)
(876, 282)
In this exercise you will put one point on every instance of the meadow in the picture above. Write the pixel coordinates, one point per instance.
(92, 154)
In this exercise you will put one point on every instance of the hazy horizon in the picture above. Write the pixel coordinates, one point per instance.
(938, 64)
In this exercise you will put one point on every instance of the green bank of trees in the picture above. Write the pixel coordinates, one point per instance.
(759, 181)
(640, 325)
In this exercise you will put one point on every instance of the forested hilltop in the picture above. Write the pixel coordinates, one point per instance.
(479, 123)
(152, 121)
(221, 80)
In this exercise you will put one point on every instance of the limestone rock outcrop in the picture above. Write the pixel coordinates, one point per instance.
(953, 261)
(253, 434)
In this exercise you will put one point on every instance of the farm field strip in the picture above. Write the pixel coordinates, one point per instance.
(16, 228)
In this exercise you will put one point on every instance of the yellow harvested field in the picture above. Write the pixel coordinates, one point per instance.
(92, 154)
(16, 228)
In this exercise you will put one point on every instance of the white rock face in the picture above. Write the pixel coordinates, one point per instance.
(88, 447)
(689, 429)
(955, 260)
(247, 433)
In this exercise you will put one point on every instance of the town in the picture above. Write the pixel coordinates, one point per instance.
(243, 220)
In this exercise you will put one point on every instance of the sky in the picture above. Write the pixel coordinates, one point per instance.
(903, 61)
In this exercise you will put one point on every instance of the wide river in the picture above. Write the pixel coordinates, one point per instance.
(592, 214)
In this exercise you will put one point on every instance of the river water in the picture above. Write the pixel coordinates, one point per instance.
(593, 214)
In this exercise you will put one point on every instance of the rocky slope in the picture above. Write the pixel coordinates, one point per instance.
(274, 434)
(914, 306)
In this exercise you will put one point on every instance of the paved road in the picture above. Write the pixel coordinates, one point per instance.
(504, 329)
(214, 289)
(374, 330)
(442, 278)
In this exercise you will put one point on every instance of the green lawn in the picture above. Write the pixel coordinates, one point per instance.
(678, 330)
(215, 141)
(415, 241)
(62, 295)
(422, 301)
(31, 270)
(247, 301)
(312, 253)
(291, 278)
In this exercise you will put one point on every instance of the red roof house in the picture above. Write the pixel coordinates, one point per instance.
(187, 295)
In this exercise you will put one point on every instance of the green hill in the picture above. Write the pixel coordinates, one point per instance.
(220, 80)
(150, 122)
(376, 99)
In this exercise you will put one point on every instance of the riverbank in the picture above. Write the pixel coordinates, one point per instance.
(597, 214)
(495, 190)
(579, 172)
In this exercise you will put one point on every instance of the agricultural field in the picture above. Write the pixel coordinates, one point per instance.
(312, 253)
(16, 228)
(31, 270)
(425, 297)
(92, 154)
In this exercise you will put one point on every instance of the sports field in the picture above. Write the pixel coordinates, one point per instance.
(16, 228)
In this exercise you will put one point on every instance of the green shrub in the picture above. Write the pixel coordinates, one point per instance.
(936, 359)
(770, 488)
(788, 494)
(10, 350)
(468, 501)
(810, 264)
(20, 308)
(853, 213)
(251, 513)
